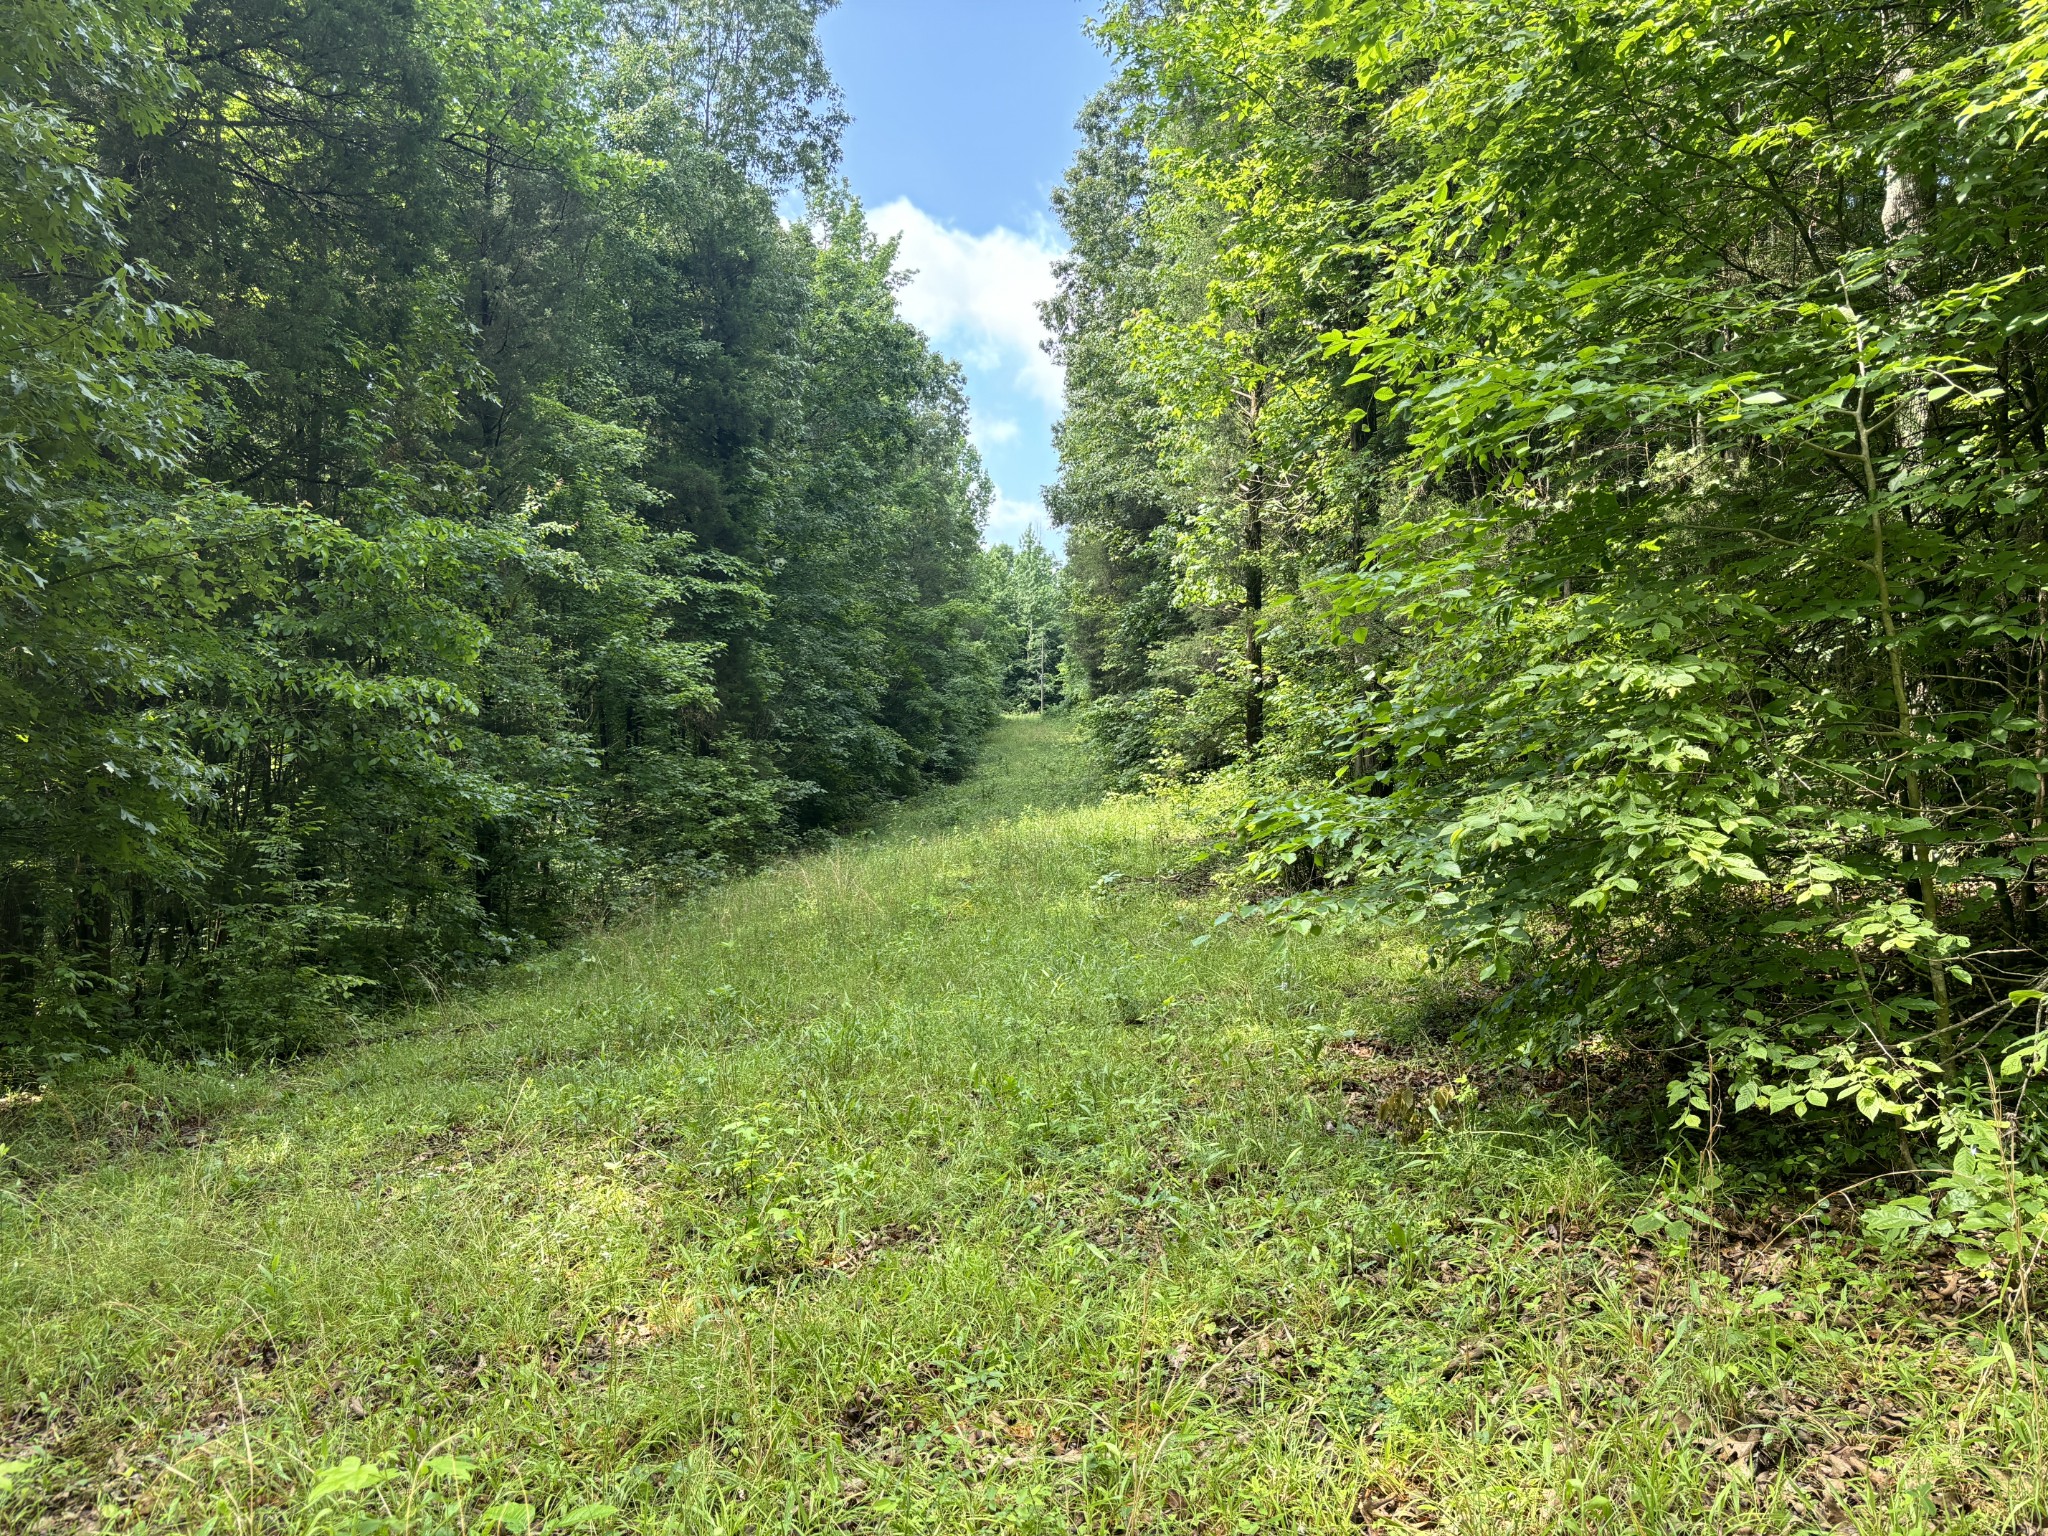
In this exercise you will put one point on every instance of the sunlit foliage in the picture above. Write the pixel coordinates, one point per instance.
(1603, 448)
(442, 503)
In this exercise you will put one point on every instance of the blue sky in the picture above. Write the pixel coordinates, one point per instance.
(963, 114)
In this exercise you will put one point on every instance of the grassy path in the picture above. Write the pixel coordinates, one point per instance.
(936, 1183)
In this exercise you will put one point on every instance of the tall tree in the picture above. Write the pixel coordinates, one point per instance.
(1648, 432)
(1028, 596)
(444, 502)
(747, 77)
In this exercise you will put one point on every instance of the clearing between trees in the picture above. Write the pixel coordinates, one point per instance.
(940, 1182)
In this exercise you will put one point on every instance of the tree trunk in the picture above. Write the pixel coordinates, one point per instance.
(1905, 219)
(1255, 586)
(2028, 894)
(1906, 209)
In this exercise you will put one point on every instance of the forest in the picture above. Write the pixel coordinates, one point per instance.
(446, 504)
(1580, 471)
(1459, 943)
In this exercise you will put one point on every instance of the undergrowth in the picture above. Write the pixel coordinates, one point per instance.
(941, 1182)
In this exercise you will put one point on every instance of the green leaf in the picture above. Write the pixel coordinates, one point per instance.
(589, 1514)
(351, 1476)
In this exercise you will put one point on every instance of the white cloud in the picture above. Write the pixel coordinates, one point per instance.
(1008, 519)
(999, 431)
(978, 294)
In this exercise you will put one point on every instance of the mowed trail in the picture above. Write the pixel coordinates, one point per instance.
(936, 1182)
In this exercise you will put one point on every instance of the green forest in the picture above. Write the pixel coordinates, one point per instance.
(1580, 470)
(445, 504)
(1462, 949)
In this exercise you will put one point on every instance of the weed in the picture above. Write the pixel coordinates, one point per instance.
(932, 1183)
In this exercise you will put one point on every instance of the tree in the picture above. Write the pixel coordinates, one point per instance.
(746, 76)
(443, 501)
(1644, 413)
(1026, 591)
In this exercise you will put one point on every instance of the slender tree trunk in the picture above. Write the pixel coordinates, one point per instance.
(1906, 209)
(2028, 893)
(486, 217)
(1360, 434)
(1905, 219)
(1254, 618)
(1255, 588)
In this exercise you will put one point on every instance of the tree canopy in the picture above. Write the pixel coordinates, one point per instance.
(442, 503)
(1582, 468)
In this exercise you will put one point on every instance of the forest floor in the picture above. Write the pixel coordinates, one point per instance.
(939, 1182)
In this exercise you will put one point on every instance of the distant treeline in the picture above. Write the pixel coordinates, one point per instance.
(441, 501)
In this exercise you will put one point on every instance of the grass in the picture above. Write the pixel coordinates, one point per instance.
(939, 1183)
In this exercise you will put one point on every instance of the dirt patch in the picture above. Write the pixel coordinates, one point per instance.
(860, 1254)
(1401, 1093)
(864, 1417)
(1384, 1510)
